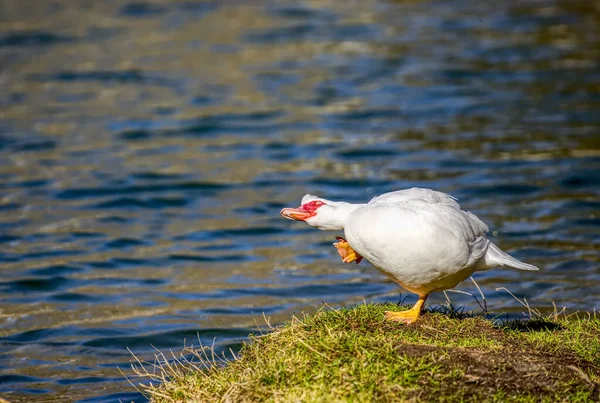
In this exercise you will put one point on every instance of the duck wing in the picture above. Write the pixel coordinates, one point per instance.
(431, 196)
(422, 245)
(428, 195)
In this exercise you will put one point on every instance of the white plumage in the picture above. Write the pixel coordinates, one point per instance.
(418, 237)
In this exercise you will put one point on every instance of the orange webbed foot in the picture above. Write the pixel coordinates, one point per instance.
(348, 254)
(409, 316)
(406, 317)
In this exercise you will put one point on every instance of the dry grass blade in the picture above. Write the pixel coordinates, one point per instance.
(310, 348)
(482, 304)
(332, 309)
(484, 308)
(531, 312)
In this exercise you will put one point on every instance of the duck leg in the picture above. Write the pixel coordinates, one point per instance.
(348, 254)
(409, 316)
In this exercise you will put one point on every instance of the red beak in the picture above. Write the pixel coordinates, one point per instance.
(297, 214)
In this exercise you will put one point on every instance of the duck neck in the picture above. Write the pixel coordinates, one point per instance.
(339, 215)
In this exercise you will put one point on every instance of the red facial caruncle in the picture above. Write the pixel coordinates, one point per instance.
(302, 213)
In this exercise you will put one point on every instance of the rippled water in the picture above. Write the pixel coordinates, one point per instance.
(147, 148)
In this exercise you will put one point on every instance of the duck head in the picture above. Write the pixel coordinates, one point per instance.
(320, 213)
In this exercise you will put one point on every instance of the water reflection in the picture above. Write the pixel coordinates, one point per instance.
(146, 149)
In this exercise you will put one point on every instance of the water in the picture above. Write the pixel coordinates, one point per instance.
(147, 148)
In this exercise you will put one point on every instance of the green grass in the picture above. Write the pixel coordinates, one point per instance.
(355, 355)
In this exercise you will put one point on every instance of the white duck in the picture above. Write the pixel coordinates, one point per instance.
(420, 238)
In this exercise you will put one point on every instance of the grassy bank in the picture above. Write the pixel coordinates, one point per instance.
(354, 355)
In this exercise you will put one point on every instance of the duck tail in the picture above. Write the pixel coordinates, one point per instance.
(495, 257)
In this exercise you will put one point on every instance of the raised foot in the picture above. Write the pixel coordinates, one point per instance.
(406, 317)
(348, 254)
